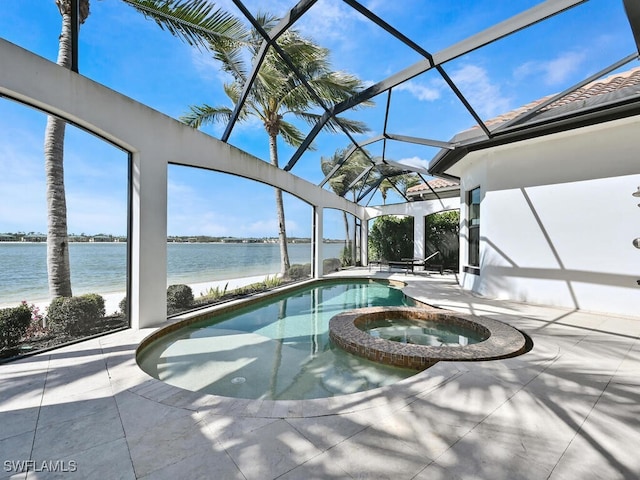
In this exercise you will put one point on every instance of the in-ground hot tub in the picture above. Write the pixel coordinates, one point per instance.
(359, 332)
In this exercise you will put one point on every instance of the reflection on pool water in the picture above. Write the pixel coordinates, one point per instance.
(278, 349)
(422, 332)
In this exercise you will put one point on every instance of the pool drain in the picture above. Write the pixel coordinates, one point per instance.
(236, 380)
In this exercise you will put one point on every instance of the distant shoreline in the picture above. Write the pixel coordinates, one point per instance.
(101, 267)
(188, 240)
(112, 299)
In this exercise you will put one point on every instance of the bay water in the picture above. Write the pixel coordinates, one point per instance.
(101, 267)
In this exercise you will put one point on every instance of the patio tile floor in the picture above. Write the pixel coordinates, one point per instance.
(569, 408)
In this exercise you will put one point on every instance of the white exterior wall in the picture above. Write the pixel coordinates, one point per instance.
(557, 219)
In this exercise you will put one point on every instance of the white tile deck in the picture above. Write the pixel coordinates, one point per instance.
(568, 409)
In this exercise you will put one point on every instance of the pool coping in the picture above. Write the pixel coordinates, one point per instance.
(503, 341)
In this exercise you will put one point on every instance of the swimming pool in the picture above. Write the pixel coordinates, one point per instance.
(419, 332)
(277, 349)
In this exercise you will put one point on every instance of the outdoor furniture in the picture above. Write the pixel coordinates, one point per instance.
(433, 266)
(406, 264)
(409, 264)
(380, 263)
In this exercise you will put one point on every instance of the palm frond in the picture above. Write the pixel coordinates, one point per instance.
(232, 61)
(205, 115)
(352, 126)
(197, 22)
(291, 135)
(233, 91)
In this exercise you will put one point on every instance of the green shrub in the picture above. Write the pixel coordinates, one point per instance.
(331, 265)
(179, 297)
(75, 315)
(13, 325)
(299, 271)
(391, 238)
(213, 294)
(346, 257)
(273, 282)
(442, 233)
(123, 305)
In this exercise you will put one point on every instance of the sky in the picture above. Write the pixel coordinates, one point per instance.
(132, 55)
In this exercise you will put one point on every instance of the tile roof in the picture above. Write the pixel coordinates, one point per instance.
(608, 85)
(436, 184)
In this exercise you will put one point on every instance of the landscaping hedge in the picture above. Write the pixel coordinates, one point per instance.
(13, 325)
(75, 315)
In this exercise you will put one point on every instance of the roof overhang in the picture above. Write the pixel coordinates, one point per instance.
(542, 125)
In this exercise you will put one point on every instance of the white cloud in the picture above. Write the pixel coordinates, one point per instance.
(415, 162)
(483, 95)
(329, 21)
(555, 71)
(179, 190)
(207, 67)
(422, 92)
(474, 82)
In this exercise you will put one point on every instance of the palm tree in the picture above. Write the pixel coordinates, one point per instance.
(384, 187)
(195, 22)
(58, 270)
(401, 182)
(406, 181)
(278, 92)
(348, 172)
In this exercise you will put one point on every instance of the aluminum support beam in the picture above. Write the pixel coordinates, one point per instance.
(337, 166)
(388, 28)
(294, 14)
(364, 173)
(287, 60)
(632, 9)
(516, 23)
(527, 115)
(75, 31)
(420, 141)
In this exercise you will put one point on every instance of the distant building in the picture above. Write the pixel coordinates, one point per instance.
(8, 237)
(78, 238)
(101, 238)
(34, 237)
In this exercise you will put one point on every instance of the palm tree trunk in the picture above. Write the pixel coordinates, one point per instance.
(282, 230)
(58, 269)
(346, 229)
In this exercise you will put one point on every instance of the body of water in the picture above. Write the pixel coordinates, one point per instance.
(101, 267)
(276, 349)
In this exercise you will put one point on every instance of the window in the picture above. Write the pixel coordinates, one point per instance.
(473, 201)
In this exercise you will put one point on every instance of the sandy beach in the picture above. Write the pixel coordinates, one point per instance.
(112, 299)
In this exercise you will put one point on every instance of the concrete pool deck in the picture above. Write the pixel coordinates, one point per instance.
(569, 408)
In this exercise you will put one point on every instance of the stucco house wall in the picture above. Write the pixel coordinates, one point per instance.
(557, 219)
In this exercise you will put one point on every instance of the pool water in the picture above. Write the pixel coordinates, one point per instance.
(277, 350)
(422, 332)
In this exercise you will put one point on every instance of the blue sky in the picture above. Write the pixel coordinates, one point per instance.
(128, 53)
